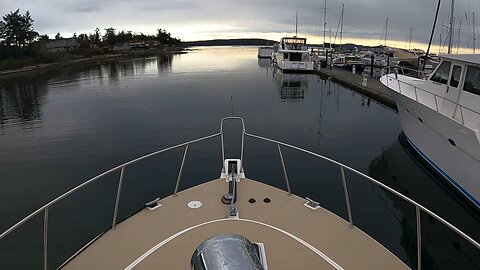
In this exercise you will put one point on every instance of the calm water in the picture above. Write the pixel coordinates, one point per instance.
(61, 128)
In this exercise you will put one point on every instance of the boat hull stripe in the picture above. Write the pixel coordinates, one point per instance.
(444, 174)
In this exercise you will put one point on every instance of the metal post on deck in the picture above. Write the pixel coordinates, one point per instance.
(331, 60)
(372, 63)
(284, 170)
(326, 58)
(180, 172)
(45, 238)
(241, 153)
(419, 240)
(117, 199)
(347, 198)
(223, 154)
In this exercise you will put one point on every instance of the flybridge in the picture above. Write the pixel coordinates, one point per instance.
(294, 40)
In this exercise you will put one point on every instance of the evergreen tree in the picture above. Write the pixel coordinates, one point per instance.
(17, 29)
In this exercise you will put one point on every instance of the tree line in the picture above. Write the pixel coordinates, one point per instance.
(18, 38)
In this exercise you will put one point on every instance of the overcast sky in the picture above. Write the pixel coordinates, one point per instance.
(208, 19)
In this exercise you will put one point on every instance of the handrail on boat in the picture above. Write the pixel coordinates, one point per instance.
(421, 74)
(435, 96)
(418, 207)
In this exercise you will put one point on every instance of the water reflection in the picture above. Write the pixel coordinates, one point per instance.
(398, 169)
(291, 86)
(21, 100)
(264, 62)
(164, 63)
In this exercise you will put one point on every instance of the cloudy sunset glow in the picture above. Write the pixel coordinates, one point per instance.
(195, 20)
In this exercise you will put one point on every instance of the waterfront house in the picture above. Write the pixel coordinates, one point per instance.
(121, 46)
(139, 44)
(61, 45)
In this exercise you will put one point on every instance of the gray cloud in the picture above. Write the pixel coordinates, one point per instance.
(363, 18)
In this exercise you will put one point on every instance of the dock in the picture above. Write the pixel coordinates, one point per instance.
(373, 89)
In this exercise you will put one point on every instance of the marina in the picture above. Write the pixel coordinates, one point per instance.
(236, 136)
(152, 103)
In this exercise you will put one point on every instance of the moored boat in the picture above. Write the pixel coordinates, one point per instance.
(440, 115)
(265, 52)
(292, 55)
(349, 62)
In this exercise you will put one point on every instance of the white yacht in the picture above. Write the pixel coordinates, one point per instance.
(231, 222)
(265, 52)
(440, 115)
(292, 55)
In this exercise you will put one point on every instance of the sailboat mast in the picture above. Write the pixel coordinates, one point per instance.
(431, 35)
(296, 23)
(458, 37)
(410, 39)
(386, 31)
(440, 45)
(450, 36)
(324, 23)
(474, 38)
(341, 26)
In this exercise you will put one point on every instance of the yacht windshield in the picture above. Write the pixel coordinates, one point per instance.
(441, 75)
(455, 79)
(472, 80)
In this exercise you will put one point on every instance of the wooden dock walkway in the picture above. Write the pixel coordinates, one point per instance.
(374, 89)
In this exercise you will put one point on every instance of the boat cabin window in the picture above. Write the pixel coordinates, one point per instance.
(441, 75)
(285, 56)
(456, 73)
(295, 57)
(472, 80)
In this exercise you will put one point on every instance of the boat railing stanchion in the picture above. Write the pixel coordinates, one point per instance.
(436, 103)
(180, 171)
(347, 198)
(223, 151)
(117, 198)
(416, 95)
(241, 153)
(461, 113)
(45, 238)
(284, 170)
(419, 239)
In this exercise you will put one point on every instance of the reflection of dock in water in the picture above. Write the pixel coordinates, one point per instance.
(291, 86)
(264, 62)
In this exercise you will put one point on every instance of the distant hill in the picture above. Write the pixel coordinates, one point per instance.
(231, 42)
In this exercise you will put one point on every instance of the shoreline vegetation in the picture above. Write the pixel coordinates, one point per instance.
(24, 50)
(83, 56)
(31, 66)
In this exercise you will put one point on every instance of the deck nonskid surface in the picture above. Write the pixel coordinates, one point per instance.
(275, 224)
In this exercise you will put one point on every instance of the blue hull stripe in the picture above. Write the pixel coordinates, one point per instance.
(458, 186)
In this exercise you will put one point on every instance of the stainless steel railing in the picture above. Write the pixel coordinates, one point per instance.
(405, 71)
(436, 97)
(419, 208)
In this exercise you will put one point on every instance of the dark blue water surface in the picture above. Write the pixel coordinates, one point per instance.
(63, 127)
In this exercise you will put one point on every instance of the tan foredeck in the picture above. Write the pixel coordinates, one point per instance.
(331, 235)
